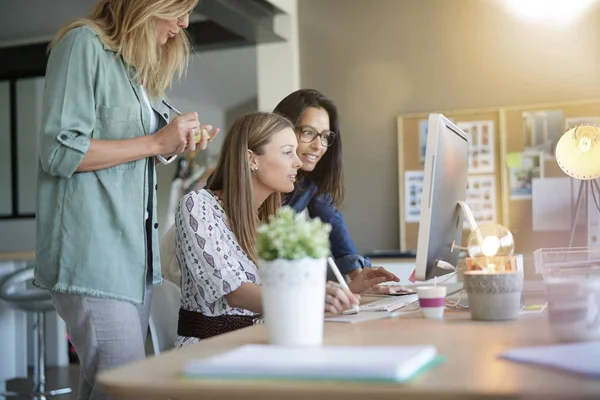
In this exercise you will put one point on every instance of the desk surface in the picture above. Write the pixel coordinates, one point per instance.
(471, 370)
(17, 256)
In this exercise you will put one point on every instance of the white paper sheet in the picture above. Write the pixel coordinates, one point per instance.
(551, 204)
(413, 190)
(481, 198)
(531, 166)
(579, 358)
(423, 126)
(481, 146)
(571, 122)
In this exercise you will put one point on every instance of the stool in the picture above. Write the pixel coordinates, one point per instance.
(38, 302)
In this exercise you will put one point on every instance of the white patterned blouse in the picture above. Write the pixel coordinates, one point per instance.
(212, 262)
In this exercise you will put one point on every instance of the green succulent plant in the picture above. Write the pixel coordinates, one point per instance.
(292, 236)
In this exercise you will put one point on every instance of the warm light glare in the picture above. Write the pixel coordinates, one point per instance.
(550, 11)
(585, 143)
(490, 246)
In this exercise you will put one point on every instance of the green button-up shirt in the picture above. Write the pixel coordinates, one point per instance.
(91, 233)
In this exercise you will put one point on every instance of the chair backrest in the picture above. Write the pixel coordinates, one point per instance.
(171, 270)
(164, 314)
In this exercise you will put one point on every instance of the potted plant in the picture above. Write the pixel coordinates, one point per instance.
(293, 250)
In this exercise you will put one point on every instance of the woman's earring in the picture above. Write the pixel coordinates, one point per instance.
(255, 169)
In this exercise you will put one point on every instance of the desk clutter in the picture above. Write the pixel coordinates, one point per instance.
(353, 363)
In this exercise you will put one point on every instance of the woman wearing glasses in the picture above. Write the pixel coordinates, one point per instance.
(104, 126)
(320, 188)
(216, 229)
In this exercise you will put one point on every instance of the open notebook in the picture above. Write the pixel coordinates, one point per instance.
(379, 363)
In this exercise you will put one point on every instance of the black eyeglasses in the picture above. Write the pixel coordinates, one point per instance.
(307, 134)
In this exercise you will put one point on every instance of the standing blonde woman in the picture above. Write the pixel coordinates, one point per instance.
(104, 127)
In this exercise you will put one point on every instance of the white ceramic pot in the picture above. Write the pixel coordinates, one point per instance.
(493, 296)
(293, 299)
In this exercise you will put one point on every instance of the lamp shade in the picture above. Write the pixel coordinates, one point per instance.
(578, 152)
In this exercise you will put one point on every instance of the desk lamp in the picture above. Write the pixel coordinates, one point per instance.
(578, 155)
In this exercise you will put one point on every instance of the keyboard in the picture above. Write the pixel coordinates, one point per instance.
(389, 303)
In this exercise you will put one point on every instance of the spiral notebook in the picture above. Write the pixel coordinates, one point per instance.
(367, 363)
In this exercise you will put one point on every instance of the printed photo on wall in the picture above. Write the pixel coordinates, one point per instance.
(523, 172)
(423, 124)
(541, 131)
(571, 122)
(481, 145)
(413, 190)
(481, 198)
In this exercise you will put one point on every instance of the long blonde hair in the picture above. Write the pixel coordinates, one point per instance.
(233, 176)
(128, 28)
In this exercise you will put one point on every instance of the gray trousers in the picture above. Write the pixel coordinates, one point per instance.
(105, 334)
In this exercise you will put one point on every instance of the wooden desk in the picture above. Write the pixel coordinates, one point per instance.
(471, 371)
(17, 256)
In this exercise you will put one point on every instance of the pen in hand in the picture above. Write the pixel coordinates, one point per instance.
(342, 281)
(176, 111)
(203, 132)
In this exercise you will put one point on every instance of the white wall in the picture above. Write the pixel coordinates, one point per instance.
(380, 59)
(278, 64)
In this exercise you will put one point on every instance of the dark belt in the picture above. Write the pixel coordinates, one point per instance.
(198, 325)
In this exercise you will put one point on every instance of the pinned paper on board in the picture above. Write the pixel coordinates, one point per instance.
(521, 177)
(413, 190)
(571, 122)
(481, 198)
(551, 204)
(423, 126)
(541, 131)
(481, 145)
(513, 160)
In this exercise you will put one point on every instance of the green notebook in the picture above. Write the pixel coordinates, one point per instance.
(354, 363)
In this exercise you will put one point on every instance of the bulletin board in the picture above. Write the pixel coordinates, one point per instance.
(411, 162)
(528, 133)
(518, 136)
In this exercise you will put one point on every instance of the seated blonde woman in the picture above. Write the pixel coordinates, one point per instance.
(216, 227)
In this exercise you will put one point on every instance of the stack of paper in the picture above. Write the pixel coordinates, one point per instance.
(579, 358)
(380, 363)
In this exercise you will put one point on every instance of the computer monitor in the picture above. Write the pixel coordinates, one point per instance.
(444, 185)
